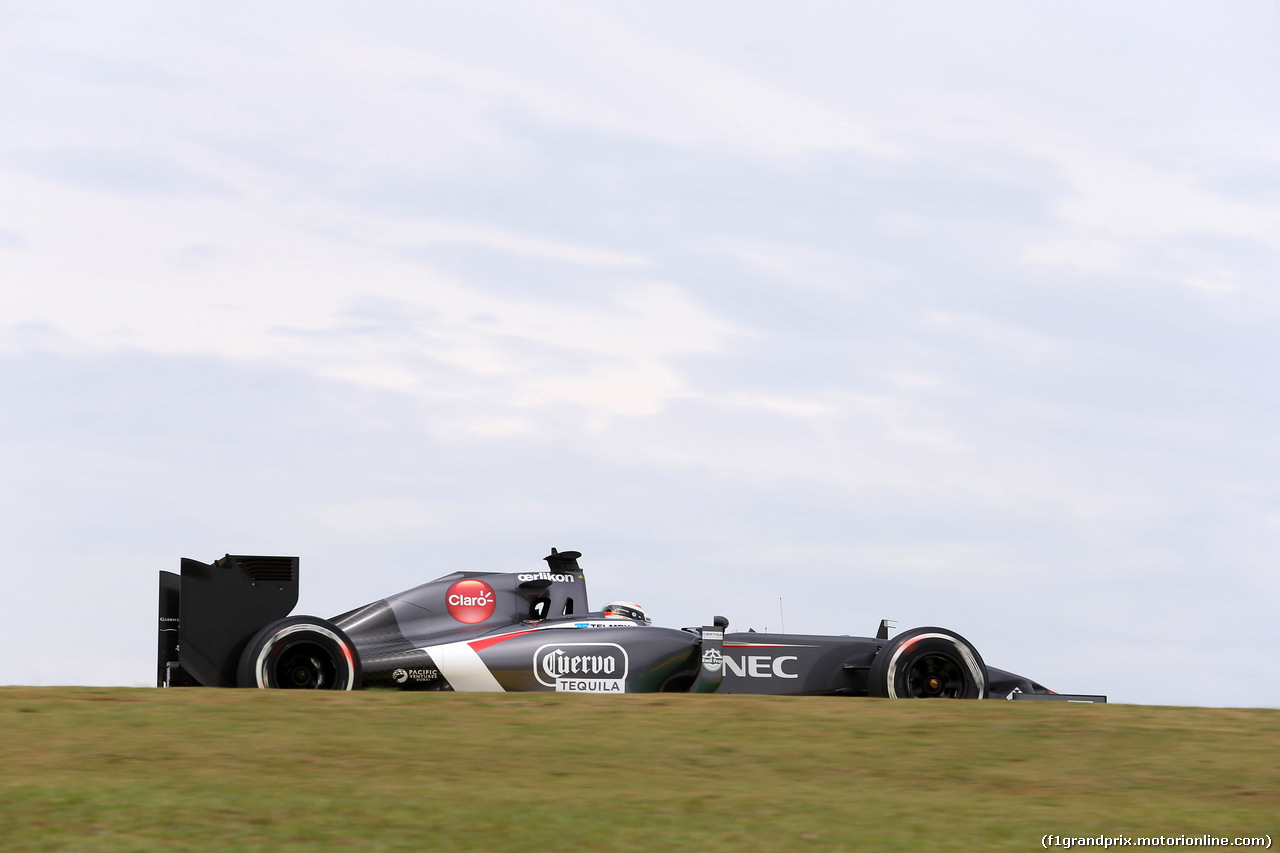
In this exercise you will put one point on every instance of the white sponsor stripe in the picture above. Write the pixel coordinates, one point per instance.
(463, 669)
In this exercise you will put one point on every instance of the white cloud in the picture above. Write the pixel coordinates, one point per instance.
(686, 99)
(384, 517)
(1126, 218)
(1135, 200)
(1090, 254)
(270, 288)
(877, 299)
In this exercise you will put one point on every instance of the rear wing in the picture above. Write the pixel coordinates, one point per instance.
(209, 612)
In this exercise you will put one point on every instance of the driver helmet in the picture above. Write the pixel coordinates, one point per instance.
(626, 610)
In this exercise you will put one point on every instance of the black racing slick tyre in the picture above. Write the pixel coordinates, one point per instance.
(928, 663)
(300, 653)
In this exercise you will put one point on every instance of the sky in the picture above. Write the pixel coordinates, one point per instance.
(808, 315)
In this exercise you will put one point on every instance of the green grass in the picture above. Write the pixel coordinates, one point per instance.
(194, 769)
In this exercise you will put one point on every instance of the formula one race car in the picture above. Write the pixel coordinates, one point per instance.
(227, 624)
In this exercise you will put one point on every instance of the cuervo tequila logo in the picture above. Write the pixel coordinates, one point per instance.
(582, 667)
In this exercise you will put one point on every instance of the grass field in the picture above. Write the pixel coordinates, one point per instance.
(194, 769)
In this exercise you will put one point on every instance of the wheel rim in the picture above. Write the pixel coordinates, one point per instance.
(304, 666)
(935, 676)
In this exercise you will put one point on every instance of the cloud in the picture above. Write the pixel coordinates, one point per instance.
(927, 318)
(1126, 217)
(115, 171)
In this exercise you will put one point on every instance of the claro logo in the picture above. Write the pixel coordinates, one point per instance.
(470, 601)
(582, 667)
(761, 666)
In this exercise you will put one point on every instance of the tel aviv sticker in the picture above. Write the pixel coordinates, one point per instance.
(470, 601)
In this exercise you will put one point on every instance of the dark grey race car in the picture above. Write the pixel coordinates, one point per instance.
(227, 624)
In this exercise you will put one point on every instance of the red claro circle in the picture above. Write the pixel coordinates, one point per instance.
(470, 601)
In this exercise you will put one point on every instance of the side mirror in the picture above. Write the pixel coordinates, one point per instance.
(720, 622)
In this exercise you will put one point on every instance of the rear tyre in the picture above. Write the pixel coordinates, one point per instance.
(300, 653)
(928, 663)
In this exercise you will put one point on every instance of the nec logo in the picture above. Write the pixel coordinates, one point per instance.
(760, 666)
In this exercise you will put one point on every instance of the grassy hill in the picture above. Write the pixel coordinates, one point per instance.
(195, 769)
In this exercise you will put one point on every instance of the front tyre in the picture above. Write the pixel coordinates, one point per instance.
(300, 653)
(928, 663)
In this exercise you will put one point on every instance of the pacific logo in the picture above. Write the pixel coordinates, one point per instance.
(470, 601)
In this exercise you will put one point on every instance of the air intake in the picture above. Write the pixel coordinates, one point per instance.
(268, 569)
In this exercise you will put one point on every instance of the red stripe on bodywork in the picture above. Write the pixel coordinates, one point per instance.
(764, 646)
(480, 645)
